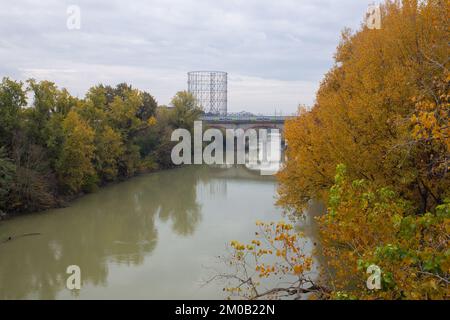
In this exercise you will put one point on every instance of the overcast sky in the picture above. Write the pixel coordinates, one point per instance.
(275, 51)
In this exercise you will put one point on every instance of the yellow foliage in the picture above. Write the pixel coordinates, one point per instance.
(75, 169)
(367, 226)
(365, 107)
(383, 111)
(152, 121)
(278, 240)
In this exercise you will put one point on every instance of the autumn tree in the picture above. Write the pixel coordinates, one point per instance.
(364, 226)
(75, 169)
(12, 100)
(109, 143)
(368, 107)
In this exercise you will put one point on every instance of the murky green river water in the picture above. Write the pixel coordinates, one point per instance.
(152, 237)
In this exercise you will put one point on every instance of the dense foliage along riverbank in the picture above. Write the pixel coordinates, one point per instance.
(54, 146)
(376, 148)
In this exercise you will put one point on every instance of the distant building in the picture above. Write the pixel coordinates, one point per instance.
(210, 88)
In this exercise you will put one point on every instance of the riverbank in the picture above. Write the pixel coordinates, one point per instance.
(64, 201)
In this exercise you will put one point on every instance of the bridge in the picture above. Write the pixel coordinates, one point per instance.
(245, 122)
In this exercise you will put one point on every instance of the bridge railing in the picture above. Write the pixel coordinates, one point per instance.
(230, 118)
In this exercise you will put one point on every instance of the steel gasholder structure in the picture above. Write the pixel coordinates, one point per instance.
(210, 90)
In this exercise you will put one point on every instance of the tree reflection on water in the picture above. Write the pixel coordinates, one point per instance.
(116, 225)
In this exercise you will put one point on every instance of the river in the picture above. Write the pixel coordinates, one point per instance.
(155, 236)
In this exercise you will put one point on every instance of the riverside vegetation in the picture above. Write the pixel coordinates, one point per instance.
(375, 149)
(55, 146)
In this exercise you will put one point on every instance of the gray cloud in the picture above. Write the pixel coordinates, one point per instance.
(275, 51)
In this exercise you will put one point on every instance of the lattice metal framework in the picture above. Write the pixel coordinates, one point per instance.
(210, 90)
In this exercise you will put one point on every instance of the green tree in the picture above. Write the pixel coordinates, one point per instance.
(12, 99)
(185, 110)
(44, 104)
(148, 107)
(7, 174)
